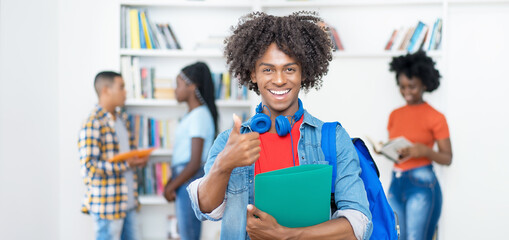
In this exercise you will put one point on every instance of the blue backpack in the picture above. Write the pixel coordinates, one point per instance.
(383, 217)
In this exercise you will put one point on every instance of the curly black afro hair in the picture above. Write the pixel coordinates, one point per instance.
(298, 35)
(417, 65)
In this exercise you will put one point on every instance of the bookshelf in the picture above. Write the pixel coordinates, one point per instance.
(364, 42)
(184, 20)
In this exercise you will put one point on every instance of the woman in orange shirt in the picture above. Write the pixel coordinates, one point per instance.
(415, 193)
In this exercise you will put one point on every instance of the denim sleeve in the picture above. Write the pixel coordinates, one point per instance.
(216, 148)
(350, 193)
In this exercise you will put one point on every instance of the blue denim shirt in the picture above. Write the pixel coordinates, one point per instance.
(349, 194)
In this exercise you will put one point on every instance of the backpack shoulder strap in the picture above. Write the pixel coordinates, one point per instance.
(328, 143)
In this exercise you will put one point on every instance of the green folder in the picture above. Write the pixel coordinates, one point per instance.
(296, 196)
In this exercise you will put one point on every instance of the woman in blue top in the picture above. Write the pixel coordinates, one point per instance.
(193, 139)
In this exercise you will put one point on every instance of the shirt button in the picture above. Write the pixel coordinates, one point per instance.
(250, 181)
(302, 157)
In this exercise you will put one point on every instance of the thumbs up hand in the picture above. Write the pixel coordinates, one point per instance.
(241, 149)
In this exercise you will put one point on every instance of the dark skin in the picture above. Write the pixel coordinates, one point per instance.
(412, 90)
(278, 77)
(185, 93)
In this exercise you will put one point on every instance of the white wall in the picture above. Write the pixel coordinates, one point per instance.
(29, 134)
(46, 100)
(88, 44)
(475, 193)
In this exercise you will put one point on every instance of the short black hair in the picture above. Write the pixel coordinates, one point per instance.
(297, 35)
(417, 65)
(104, 79)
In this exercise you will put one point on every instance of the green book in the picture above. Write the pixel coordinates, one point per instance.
(296, 196)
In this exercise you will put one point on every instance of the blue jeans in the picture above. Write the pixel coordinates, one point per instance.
(123, 228)
(189, 227)
(416, 197)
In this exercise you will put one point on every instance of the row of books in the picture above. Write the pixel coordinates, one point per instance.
(150, 132)
(420, 37)
(142, 83)
(228, 88)
(138, 31)
(153, 177)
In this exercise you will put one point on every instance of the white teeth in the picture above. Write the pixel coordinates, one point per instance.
(279, 92)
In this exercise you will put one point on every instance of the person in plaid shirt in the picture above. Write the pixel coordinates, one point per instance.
(111, 196)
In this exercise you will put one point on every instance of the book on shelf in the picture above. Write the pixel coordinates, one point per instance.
(153, 177)
(163, 88)
(333, 36)
(134, 29)
(414, 38)
(227, 88)
(417, 36)
(391, 40)
(143, 83)
(436, 36)
(138, 31)
(153, 133)
(336, 41)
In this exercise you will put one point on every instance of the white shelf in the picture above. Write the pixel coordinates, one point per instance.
(381, 54)
(184, 3)
(151, 103)
(347, 3)
(233, 103)
(162, 152)
(477, 1)
(218, 54)
(152, 200)
(174, 103)
(171, 53)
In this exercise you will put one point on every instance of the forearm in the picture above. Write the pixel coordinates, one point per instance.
(443, 158)
(333, 229)
(212, 188)
(186, 174)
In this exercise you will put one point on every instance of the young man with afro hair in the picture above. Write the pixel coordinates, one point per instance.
(277, 57)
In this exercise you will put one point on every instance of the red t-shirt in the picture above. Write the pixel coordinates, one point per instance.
(276, 151)
(419, 124)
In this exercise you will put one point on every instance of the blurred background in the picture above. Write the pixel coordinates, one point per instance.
(51, 50)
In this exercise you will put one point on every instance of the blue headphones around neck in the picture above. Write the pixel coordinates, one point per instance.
(261, 122)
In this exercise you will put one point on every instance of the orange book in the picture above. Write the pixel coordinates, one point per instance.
(134, 153)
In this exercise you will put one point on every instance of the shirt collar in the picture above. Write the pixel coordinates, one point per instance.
(308, 119)
(101, 112)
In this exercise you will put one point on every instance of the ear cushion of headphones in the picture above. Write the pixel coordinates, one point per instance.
(283, 126)
(260, 123)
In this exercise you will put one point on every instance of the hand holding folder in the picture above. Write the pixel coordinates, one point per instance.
(134, 153)
(296, 196)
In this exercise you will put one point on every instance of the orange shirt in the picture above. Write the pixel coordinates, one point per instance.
(276, 151)
(419, 123)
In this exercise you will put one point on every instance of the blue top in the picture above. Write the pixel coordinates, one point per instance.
(196, 124)
(349, 190)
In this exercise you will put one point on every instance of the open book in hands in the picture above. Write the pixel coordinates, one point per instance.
(391, 149)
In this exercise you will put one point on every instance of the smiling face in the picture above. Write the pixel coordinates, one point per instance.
(278, 77)
(411, 89)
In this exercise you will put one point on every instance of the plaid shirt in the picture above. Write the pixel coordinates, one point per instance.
(106, 193)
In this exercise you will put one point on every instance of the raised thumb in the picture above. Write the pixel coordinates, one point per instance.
(236, 124)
